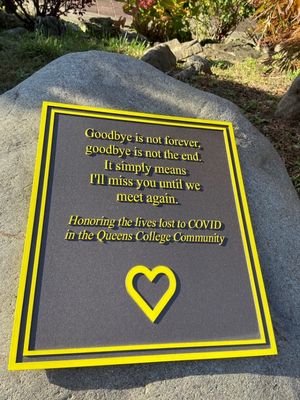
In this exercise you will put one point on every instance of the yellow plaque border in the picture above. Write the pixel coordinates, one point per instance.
(233, 161)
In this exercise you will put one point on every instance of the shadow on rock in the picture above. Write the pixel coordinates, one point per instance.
(133, 376)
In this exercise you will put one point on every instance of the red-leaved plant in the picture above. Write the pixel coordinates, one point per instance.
(161, 20)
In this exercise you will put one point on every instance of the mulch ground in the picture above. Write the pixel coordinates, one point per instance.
(258, 97)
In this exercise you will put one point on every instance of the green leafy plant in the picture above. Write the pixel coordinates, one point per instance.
(216, 18)
(22, 56)
(293, 74)
(161, 20)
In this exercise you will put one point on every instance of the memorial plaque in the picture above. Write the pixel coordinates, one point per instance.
(139, 245)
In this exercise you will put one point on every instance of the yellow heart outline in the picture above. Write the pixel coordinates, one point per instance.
(154, 313)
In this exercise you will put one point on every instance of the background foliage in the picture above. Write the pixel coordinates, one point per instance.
(217, 18)
(27, 11)
(161, 20)
(279, 24)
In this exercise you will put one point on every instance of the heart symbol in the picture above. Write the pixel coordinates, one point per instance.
(151, 313)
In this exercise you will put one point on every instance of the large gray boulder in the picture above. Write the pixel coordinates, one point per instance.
(289, 106)
(116, 81)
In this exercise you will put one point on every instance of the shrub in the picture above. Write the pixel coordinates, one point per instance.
(217, 18)
(278, 23)
(161, 20)
(27, 11)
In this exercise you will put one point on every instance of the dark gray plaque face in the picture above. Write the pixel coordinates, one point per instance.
(139, 245)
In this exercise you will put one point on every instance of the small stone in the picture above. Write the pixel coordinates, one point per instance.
(73, 27)
(243, 34)
(232, 52)
(160, 57)
(14, 31)
(133, 36)
(50, 26)
(200, 64)
(9, 21)
(186, 49)
(186, 74)
(289, 106)
(102, 27)
(173, 44)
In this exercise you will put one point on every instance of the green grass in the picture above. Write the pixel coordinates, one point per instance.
(22, 56)
(293, 74)
(251, 84)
